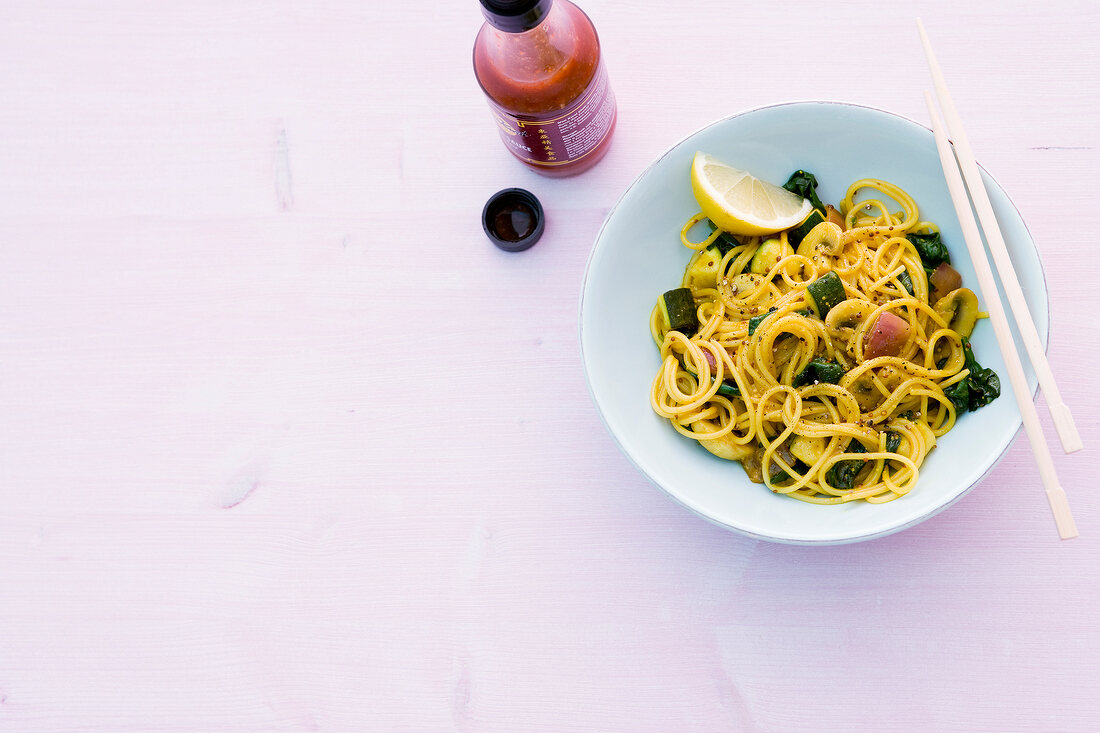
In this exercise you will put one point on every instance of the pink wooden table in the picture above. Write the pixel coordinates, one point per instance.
(286, 445)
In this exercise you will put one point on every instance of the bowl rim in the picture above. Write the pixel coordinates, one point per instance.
(739, 530)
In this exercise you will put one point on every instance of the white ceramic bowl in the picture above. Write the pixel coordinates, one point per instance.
(637, 256)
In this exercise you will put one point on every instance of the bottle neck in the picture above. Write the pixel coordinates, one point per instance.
(515, 16)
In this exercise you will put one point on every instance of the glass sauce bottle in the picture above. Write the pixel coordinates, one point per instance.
(539, 64)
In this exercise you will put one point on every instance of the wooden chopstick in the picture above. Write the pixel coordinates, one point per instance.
(1063, 518)
(1059, 412)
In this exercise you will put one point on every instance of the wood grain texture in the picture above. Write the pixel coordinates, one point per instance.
(288, 446)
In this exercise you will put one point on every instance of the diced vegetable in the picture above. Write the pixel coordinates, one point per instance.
(942, 281)
(775, 471)
(835, 217)
(702, 272)
(808, 450)
(723, 447)
(826, 291)
(931, 249)
(886, 337)
(711, 361)
(805, 185)
(677, 308)
(708, 357)
(798, 233)
(769, 253)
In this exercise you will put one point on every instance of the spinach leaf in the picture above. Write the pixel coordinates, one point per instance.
(827, 371)
(819, 370)
(981, 386)
(805, 185)
(843, 473)
(959, 394)
(931, 249)
(906, 282)
(985, 385)
(725, 241)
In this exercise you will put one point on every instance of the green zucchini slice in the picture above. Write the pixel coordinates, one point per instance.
(678, 311)
(703, 270)
(798, 233)
(826, 291)
(769, 253)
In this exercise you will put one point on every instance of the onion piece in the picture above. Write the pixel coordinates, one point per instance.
(886, 337)
(942, 281)
(710, 360)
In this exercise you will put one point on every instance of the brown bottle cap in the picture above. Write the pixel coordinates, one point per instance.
(513, 219)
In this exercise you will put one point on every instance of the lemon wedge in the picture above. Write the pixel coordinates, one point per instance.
(740, 203)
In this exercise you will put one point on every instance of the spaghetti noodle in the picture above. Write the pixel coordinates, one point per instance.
(824, 395)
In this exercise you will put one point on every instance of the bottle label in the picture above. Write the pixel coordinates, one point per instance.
(564, 136)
